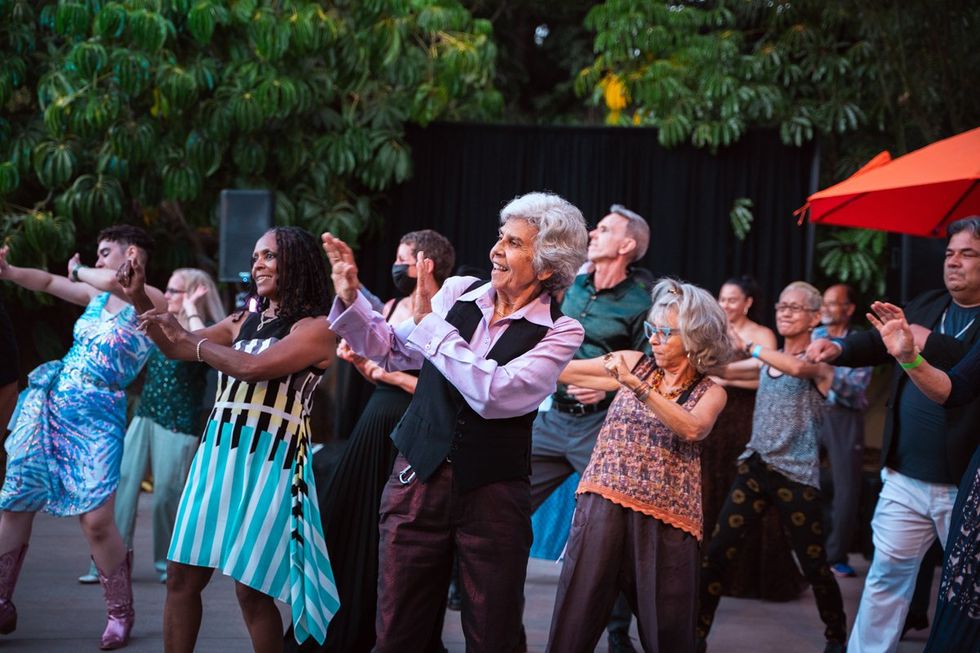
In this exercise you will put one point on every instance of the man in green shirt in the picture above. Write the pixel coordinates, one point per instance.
(611, 303)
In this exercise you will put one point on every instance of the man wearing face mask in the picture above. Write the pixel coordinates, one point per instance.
(611, 304)
(842, 434)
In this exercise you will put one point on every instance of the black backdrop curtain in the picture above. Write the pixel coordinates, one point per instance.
(465, 173)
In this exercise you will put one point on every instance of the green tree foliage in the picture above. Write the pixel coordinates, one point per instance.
(859, 76)
(143, 110)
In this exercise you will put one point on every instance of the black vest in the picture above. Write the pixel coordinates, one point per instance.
(439, 424)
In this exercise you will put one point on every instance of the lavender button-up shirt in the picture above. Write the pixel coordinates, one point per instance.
(492, 390)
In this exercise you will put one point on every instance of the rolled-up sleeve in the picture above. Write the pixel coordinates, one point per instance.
(492, 390)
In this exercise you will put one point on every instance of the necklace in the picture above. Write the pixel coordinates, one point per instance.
(657, 383)
(263, 319)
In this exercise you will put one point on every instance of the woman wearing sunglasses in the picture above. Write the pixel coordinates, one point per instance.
(780, 464)
(638, 518)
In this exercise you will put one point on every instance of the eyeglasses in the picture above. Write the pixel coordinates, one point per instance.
(173, 291)
(792, 308)
(663, 332)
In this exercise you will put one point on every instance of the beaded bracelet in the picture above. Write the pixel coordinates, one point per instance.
(642, 391)
(918, 360)
(198, 349)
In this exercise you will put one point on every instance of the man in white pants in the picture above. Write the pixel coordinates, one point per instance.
(926, 447)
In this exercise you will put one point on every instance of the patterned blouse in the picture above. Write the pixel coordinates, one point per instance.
(642, 465)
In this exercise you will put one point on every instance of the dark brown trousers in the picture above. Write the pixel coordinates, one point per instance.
(613, 549)
(421, 525)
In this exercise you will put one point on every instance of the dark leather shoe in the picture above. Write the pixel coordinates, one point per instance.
(620, 643)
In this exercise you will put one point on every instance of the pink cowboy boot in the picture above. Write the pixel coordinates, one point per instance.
(10, 563)
(118, 590)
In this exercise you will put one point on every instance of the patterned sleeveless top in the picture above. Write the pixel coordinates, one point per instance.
(642, 465)
(787, 418)
(277, 406)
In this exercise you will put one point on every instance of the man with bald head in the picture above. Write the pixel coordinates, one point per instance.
(925, 447)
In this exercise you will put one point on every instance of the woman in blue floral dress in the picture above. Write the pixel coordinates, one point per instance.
(66, 436)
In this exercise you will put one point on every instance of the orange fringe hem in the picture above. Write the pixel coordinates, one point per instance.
(686, 525)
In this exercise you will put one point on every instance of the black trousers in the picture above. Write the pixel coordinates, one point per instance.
(756, 487)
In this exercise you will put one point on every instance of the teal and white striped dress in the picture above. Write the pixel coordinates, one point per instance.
(250, 507)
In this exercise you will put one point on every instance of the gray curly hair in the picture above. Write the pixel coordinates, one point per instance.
(703, 325)
(562, 240)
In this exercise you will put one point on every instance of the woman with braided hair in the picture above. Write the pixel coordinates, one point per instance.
(250, 507)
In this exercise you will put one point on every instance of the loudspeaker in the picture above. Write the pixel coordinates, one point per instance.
(244, 216)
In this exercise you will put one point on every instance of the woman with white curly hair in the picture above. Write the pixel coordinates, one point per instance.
(638, 519)
(489, 353)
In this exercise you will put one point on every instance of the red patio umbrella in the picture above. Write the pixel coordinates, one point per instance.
(917, 194)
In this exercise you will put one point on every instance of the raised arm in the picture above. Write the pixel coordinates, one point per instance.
(167, 334)
(106, 280)
(591, 372)
(692, 425)
(897, 335)
(43, 281)
(310, 343)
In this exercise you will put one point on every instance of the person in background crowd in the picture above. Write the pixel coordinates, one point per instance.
(249, 507)
(926, 448)
(764, 567)
(611, 306)
(164, 431)
(489, 354)
(780, 465)
(638, 519)
(842, 435)
(349, 504)
(64, 449)
(957, 623)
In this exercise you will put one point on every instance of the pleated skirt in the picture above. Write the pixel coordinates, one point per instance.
(350, 506)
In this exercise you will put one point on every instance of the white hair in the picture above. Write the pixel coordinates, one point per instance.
(562, 241)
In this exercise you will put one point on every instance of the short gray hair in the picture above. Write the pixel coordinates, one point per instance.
(814, 298)
(970, 223)
(703, 325)
(562, 240)
(636, 228)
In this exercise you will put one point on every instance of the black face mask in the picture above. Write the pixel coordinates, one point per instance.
(404, 284)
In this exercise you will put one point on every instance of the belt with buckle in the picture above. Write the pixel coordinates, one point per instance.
(576, 408)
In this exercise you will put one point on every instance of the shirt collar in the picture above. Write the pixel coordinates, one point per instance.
(537, 311)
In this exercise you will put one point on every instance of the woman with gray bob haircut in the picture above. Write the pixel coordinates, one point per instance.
(705, 336)
(562, 239)
(638, 515)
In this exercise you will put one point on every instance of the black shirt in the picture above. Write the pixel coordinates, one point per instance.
(921, 451)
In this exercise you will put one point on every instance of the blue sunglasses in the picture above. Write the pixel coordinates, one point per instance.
(664, 332)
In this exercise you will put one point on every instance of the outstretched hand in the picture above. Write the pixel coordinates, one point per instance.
(425, 287)
(132, 277)
(171, 329)
(894, 329)
(343, 268)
